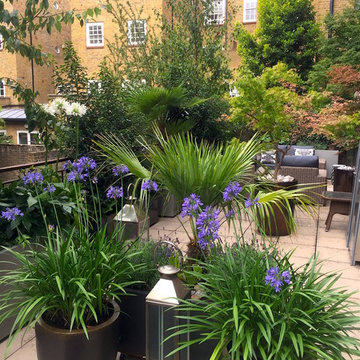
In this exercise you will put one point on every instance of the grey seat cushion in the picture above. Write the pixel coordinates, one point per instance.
(301, 161)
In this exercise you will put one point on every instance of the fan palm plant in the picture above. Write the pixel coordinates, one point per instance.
(183, 166)
(167, 107)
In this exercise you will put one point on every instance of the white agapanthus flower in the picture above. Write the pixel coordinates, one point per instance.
(49, 109)
(77, 109)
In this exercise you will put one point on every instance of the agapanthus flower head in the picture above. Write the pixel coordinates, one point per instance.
(49, 109)
(49, 188)
(11, 214)
(191, 205)
(79, 170)
(51, 227)
(276, 279)
(115, 192)
(250, 202)
(207, 225)
(33, 177)
(231, 191)
(120, 169)
(58, 105)
(148, 185)
(230, 214)
(75, 109)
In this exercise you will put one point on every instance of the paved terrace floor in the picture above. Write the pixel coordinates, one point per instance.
(309, 239)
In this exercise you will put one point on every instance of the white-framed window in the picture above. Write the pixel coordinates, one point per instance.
(1, 42)
(216, 14)
(95, 34)
(136, 32)
(249, 11)
(26, 138)
(3, 132)
(94, 85)
(2, 88)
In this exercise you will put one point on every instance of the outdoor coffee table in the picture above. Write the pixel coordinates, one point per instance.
(340, 203)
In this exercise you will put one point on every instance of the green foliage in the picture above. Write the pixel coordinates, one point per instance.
(169, 108)
(287, 32)
(68, 280)
(190, 53)
(70, 78)
(185, 167)
(15, 26)
(59, 206)
(307, 319)
(342, 47)
(261, 102)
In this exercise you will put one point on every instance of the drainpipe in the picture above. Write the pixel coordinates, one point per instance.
(32, 68)
(331, 14)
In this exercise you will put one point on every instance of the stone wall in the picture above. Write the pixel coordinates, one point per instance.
(11, 155)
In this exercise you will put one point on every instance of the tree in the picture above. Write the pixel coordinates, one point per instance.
(287, 32)
(15, 26)
(190, 52)
(341, 48)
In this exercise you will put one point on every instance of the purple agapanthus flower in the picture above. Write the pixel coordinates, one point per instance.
(276, 279)
(207, 225)
(115, 192)
(11, 214)
(230, 214)
(191, 205)
(33, 177)
(49, 188)
(231, 191)
(250, 202)
(148, 185)
(79, 170)
(120, 169)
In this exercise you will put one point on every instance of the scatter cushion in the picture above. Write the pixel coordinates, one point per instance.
(304, 152)
(268, 157)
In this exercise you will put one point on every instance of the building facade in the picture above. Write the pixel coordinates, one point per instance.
(90, 40)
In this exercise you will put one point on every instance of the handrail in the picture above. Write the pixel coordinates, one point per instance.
(29, 165)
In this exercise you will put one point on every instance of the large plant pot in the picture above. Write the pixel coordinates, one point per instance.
(61, 344)
(168, 206)
(132, 333)
(277, 222)
(5, 266)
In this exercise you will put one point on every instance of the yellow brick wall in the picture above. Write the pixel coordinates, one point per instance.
(92, 57)
(19, 69)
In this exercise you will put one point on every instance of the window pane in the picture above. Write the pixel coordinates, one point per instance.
(23, 138)
(34, 139)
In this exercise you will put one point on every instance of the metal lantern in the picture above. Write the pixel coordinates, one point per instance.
(133, 218)
(161, 315)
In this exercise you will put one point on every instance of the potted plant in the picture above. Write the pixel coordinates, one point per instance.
(66, 283)
(262, 307)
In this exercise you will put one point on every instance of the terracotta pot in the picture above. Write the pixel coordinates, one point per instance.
(61, 344)
(276, 224)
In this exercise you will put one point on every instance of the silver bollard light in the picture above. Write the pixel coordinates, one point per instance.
(133, 218)
(161, 315)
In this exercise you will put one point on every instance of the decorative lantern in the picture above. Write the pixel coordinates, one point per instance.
(133, 219)
(161, 315)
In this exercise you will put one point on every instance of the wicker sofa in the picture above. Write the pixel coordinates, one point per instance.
(305, 169)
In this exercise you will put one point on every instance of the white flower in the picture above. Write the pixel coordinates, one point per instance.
(48, 109)
(78, 109)
(59, 105)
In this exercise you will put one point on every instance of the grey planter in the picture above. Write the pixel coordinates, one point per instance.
(5, 267)
(168, 205)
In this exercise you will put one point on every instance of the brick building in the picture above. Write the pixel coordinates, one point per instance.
(90, 40)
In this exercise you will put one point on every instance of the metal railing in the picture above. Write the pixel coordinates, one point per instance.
(30, 165)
